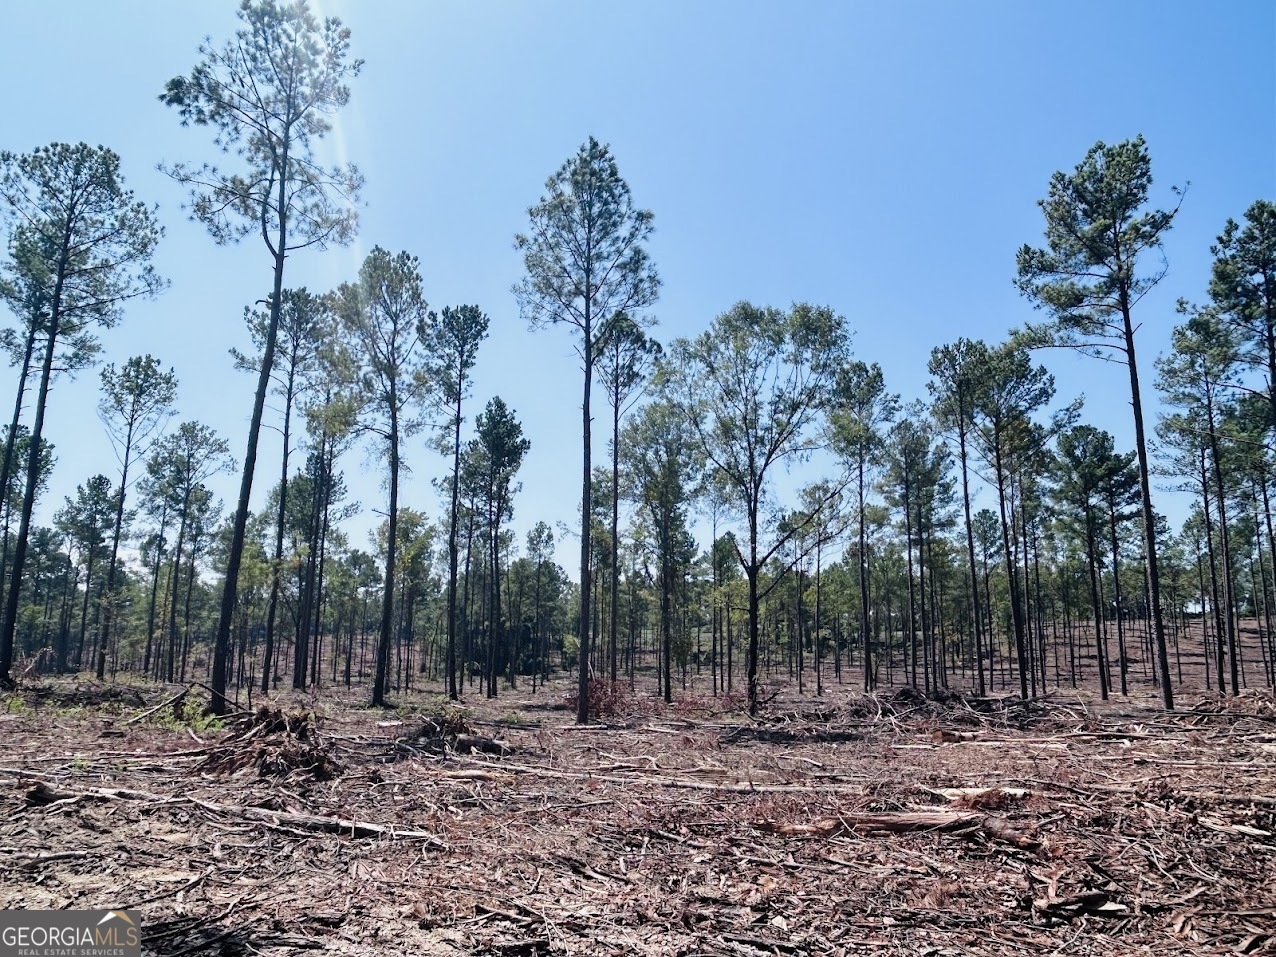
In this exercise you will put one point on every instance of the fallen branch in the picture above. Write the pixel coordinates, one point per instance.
(159, 707)
(886, 822)
(904, 822)
(42, 793)
(1093, 903)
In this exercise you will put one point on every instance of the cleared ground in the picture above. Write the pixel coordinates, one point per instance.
(892, 824)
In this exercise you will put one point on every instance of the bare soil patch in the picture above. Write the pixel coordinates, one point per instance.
(892, 824)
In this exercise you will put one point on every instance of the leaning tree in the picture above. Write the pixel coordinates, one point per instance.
(1088, 280)
(269, 95)
(86, 243)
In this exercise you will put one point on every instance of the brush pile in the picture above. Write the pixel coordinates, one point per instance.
(273, 744)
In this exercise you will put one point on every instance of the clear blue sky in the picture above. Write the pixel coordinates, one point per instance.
(881, 158)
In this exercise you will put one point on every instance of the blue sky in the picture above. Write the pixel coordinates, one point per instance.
(884, 159)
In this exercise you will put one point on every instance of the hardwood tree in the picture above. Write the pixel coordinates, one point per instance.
(662, 473)
(384, 319)
(269, 96)
(586, 259)
(755, 389)
(86, 243)
(1087, 278)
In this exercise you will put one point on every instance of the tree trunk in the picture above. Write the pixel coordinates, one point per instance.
(453, 515)
(587, 351)
(10, 622)
(1149, 516)
(387, 600)
(1012, 576)
(272, 606)
(11, 442)
(230, 587)
(865, 637)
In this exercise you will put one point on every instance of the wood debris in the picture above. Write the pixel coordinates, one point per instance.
(830, 828)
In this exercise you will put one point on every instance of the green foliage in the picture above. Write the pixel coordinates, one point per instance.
(383, 317)
(587, 264)
(188, 715)
(861, 408)
(454, 337)
(627, 357)
(754, 389)
(585, 254)
(305, 326)
(268, 95)
(84, 242)
(497, 454)
(136, 401)
(1243, 289)
(1085, 278)
(1088, 474)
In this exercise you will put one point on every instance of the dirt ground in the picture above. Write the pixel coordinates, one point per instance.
(890, 824)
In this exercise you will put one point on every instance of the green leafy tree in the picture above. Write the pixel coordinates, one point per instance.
(455, 337)
(268, 95)
(755, 390)
(87, 245)
(136, 402)
(586, 260)
(663, 472)
(497, 452)
(861, 410)
(384, 318)
(627, 358)
(1088, 280)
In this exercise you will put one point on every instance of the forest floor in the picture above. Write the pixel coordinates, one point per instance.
(848, 824)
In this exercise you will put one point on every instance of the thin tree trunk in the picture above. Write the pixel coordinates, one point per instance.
(230, 588)
(277, 566)
(1149, 516)
(387, 601)
(12, 598)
